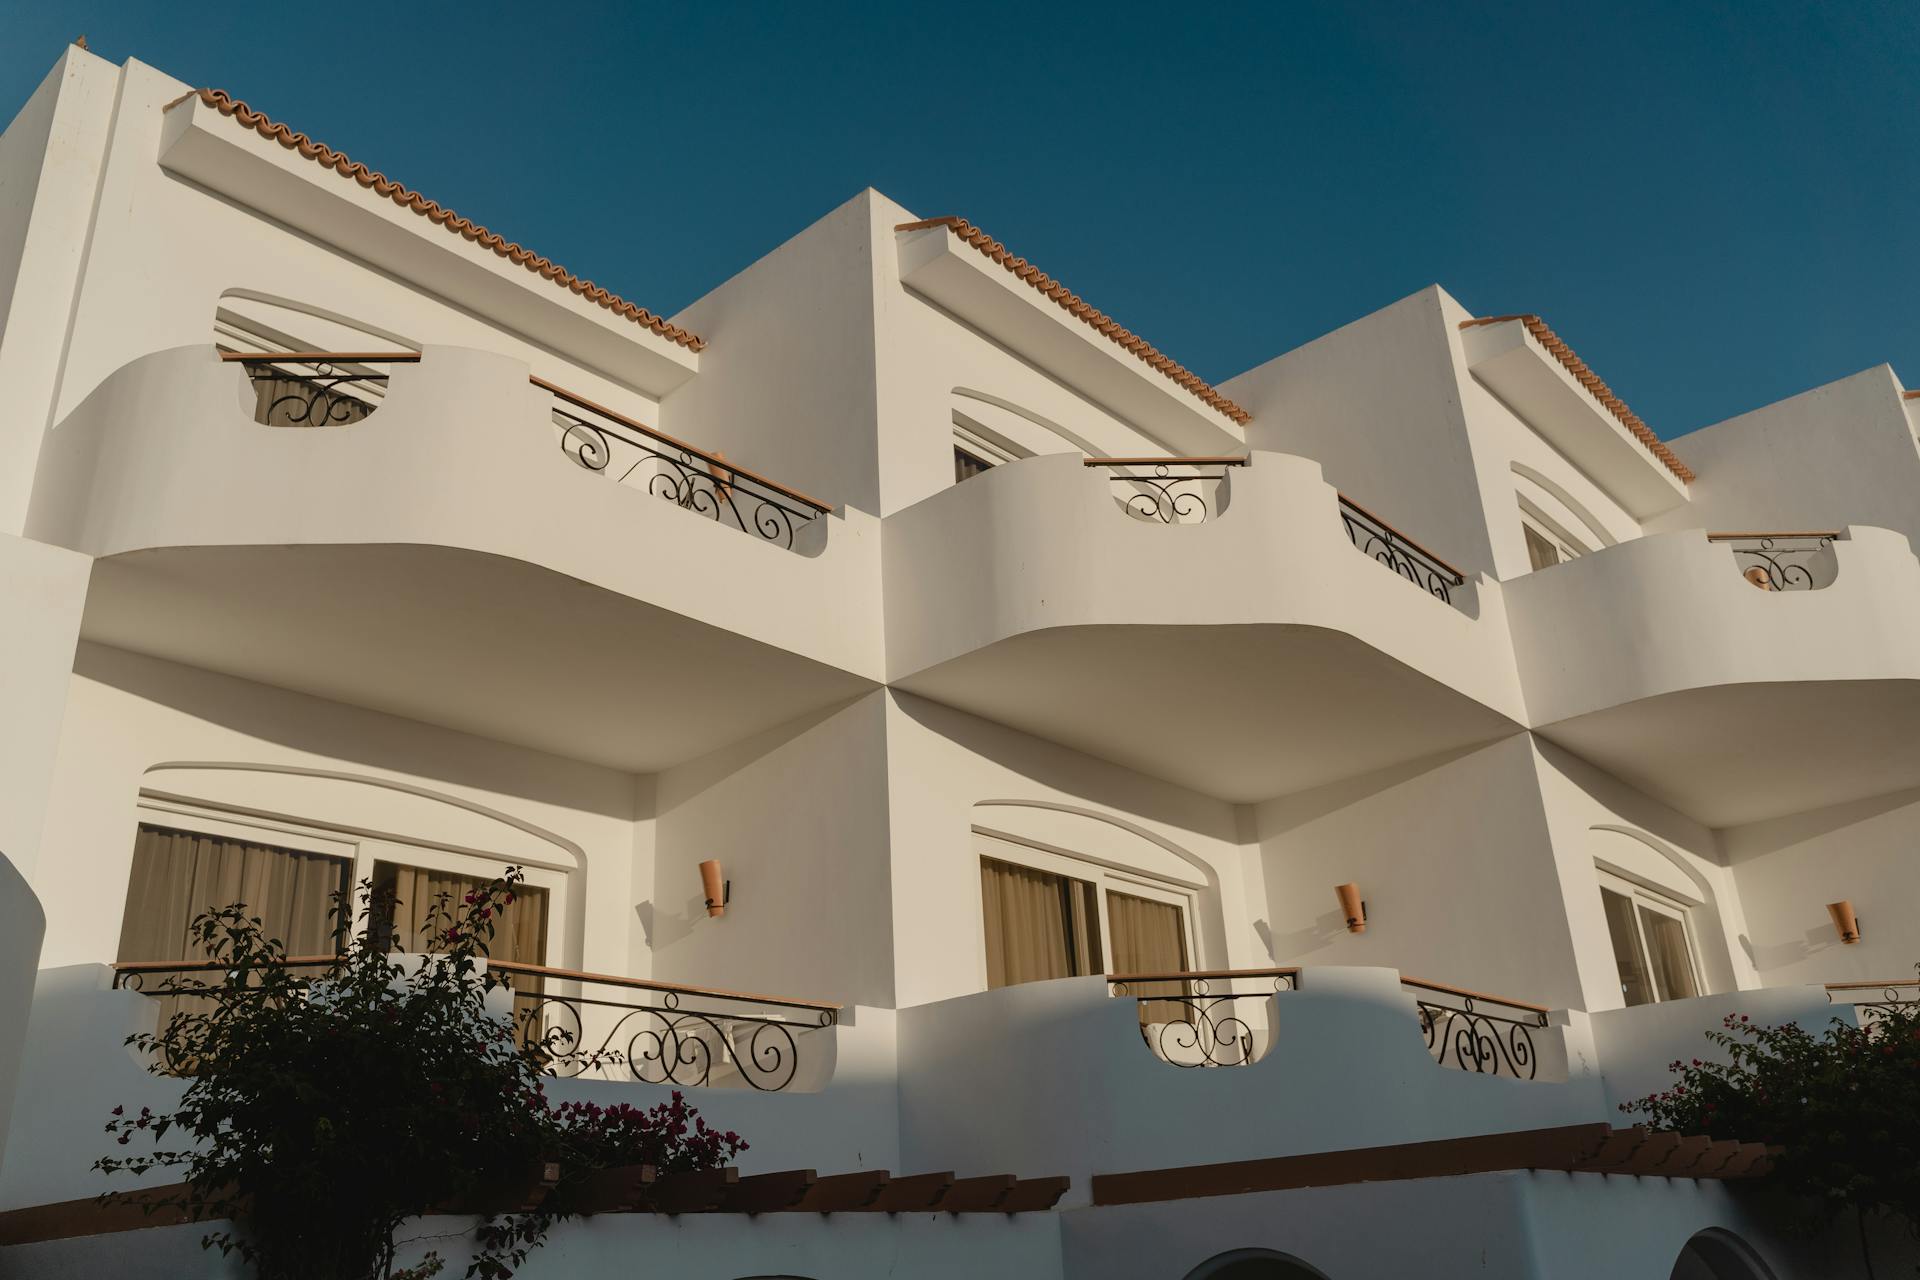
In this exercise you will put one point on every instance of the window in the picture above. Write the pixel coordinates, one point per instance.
(1051, 916)
(178, 875)
(1652, 946)
(1039, 925)
(1540, 549)
(1548, 542)
(967, 465)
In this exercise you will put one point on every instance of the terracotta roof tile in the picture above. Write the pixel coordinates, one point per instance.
(406, 198)
(1077, 307)
(1587, 378)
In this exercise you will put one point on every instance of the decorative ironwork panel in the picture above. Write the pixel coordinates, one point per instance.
(1195, 1026)
(294, 392)
(1870, 1005)
(1496, 1040)
(655, 1036)
(1380, 540)
(1170, 492)
(1782, 562)
(688, 478)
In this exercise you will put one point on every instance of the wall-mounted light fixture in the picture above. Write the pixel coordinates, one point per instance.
(1352, 907)
(719, 890)
(1845, 921)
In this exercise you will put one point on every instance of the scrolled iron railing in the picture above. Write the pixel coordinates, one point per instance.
(1782, 561)
(1376, 538)
(663, 1032)
(1169, 490)
(601, 1026)
(690, 478)
(316, 388)
(1474, 1031)
(1872, 1001)
(1194, 1025)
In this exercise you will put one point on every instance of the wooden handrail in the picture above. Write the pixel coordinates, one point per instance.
(722, 464)
(648, 984)
(1873, 986)
(1796, 533)
(1182, 975)
(316, 357)
(508, 966)
(1445, 989)
(1225, 460)
(1458, 576)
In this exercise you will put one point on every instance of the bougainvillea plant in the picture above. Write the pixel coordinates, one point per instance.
(1842, 1104)
(326, 1106)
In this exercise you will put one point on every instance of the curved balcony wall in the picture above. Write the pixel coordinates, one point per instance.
(1729, 689)
(450, 538)
(1060, 1068)
(1032, 595)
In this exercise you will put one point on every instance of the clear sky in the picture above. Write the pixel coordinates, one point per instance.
(1717, 204)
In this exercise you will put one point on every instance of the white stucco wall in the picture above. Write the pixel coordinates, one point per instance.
(329, 764)
(43, 591)
(22, 925)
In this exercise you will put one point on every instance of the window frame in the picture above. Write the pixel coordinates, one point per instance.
(1103, 877)
(1643, 898)
(1565, 545)
(361, 852)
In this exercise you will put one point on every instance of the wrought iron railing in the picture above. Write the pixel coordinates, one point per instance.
(1873, 1001)
(317, 388)
(1473, 1031)
(603, 1027)
(692, 479)
(661, 1032)
(1783, 561)
(1380, 540)
(1170, 490)
(1188, 1022)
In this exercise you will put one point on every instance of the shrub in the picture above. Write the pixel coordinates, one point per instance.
(325, 1109)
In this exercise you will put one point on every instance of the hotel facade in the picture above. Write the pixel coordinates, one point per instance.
(1175, 830)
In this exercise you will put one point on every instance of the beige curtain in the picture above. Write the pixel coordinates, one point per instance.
(1038, 925)
(178, 875)
(1149, 937)
(520, 935)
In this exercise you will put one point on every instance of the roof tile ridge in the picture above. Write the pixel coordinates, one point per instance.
(240, 113)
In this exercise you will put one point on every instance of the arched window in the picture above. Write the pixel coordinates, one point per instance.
(1714, 1254)
(1254, 1264)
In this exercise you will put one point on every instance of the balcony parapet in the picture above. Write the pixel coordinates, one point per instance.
(608, 1027)
(1872, 1001)
(1784, 561)
(1170, 490)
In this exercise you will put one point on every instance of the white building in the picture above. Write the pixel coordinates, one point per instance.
(332, 545)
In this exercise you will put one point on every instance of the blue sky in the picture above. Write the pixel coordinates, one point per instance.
(1716, 204)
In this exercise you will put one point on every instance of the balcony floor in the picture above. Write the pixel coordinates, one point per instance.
(473, 642)
(1241, 712)
(1739, 753)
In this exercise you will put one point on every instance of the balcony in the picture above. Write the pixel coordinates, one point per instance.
(412, 528)
(619, 1029)
(1344, 1058)
(1676, 661)
(1167, 622)
(1225, 1018)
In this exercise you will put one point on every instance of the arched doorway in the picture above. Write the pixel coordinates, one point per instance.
(1714, 1254)
(1254, 1264)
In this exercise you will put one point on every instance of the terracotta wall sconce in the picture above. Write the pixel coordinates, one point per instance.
(719, 890)
(1352, 907)
(1845, 921)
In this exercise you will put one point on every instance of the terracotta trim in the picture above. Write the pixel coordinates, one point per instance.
(1579, 1148)
(1910, 395)
(1587, 378)
(1077, 307)
(247, 118)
